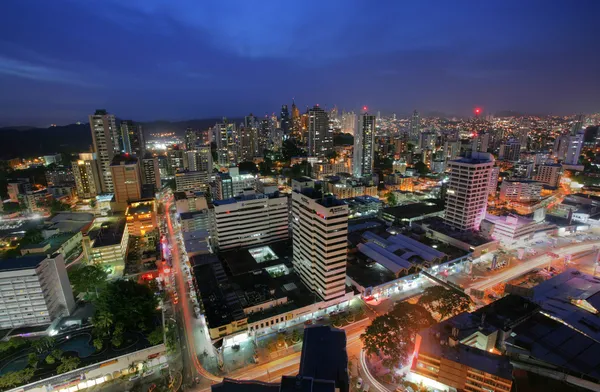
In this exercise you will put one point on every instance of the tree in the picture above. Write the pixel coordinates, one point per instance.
(43, 344)
(156, 336)
(12, 207)
(32, 236)
(32, 360)
(392, 335)
(12, 379)
(93, 203)
(57, 353)
(438, 299)
(421, 168)
(88, 278)
(68, 363)
(98, 344)
(50, 359)
(248, 167)
(391, 199)
(57, 206)
(103, 320)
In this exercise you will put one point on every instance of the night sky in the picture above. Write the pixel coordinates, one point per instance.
(184, 59)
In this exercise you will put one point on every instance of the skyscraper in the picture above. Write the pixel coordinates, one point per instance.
(150, 171)
(320, 135)
(87, 178)
(415, 126)
(132, 138)
(285, 120)
(227, 139)
(575, 143)
(510, 151)
(127, 178)
(192, 138)
(296, 121)
(481, 142)
(364, 141)
(348, 122)
(199, 159)
(468, 190)
(105, 138)
(320, 230)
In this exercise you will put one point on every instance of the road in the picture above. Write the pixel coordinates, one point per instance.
(184, 308)
(531, 264)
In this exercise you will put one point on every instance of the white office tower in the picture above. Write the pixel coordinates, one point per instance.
(34, 290)
(575, 143)
(468, 189)
(364, 141)
(249, 219)
(320, 231)
(105, 138)
(199, 159)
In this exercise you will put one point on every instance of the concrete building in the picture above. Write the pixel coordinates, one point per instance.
(481, 142)
(231, 184)
(127, 179)
(141, 218)
(191, 181)
(510, 151)
(132, 138)
(415, 126)
(320, 134)
(106, 244)
(87, 178)
(35, 290)
(549, 173)
(151, 172)
(59, 175)
(468, 190)
(190, 201)
(249, 219)
(575, 143)
(509, 229)
(105, 139)
(320, 230)
(18, 188)
(427, 141)
(520, 190)
(199, 159)
(364, 141)
(52, 159)
(226, 138)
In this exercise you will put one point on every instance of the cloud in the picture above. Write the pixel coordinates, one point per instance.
(39, 72)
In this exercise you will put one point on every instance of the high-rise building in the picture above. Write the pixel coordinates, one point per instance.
(348, 122)
(520, 190)
(575, 143)
(199, 159)
(427, 141)
(451, 150)
(285, 120)
(87, 178)
(481, 142)
(364, 141)
(35, 291)
(226, 137)
(320, 135)
(127, 179)
(132, 138)
(192, 138)
(105, 138)
(151, 171)
(468, 189)
(296, 121)
(59, 175)
(494, 180)
(415, 126)
(320, 231)
(175, 161)
(510, 151)
(191, 180)
(523, 134)
(231, 184)
(249, 219)
(249, 138)
(549, 173)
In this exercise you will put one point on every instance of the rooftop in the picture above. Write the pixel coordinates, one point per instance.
(411, 211)
(238, 262)
(21, 263)
(470, 237)
(109, 233)
(124, 159)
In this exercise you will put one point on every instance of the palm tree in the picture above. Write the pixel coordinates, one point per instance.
(103, 320)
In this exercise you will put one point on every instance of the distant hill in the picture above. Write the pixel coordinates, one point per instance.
(24, 141)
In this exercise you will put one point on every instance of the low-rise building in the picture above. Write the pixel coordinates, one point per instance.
(190, 201)
(141, 218)
(35, 290)
(106, 243)
(549, 173)
(508, 229)
(520, 190)
(191, 180)
(363, 206)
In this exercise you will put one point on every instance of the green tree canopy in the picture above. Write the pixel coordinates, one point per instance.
(248, 167)
(68, 363)
(88, 278)
(438, 299)
(156, 336)
(421, 168)
(391, 199)
(392, 335)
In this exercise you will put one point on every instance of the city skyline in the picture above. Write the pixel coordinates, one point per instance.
(174, 63)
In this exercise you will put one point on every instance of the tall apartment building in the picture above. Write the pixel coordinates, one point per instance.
(320, 134)
(415, 126)
(191, 180)
(510, 151)
(427, 141)
(468, 190)
(198, 159)
(520, 190)
(226, 138)
(494, 180)
(190, 201)
(34, 290)
(194, 138)
(228, 185)
(549, 173)
(364, 141)
(105, 138)
(87, 177)
(127, 178)
(320, 231)
(59, 175)
(481, 142)
(575, 143)
(132, 138)
(151, 171)
(249, 219)
(175, 161)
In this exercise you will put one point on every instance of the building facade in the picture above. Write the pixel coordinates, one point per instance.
(86, 175)
(320, 134)
(127, 179)
(364, 141)
(105, 139)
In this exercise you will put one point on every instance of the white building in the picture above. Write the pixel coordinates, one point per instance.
(575, 143)
(191, 180)
(249, 219)
(228, 185)
(87, 178)
(520, 190)
(34, 290)
(106, 244)
(320, 231)
(199, 159)
(364, 141)
(508, 229)
(549, 173)
(190, 201)
(105, 138)
(468, 189)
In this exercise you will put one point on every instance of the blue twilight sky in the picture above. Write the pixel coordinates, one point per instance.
(183, 59)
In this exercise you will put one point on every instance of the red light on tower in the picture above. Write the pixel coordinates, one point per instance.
(477, 111)
(365, 108)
